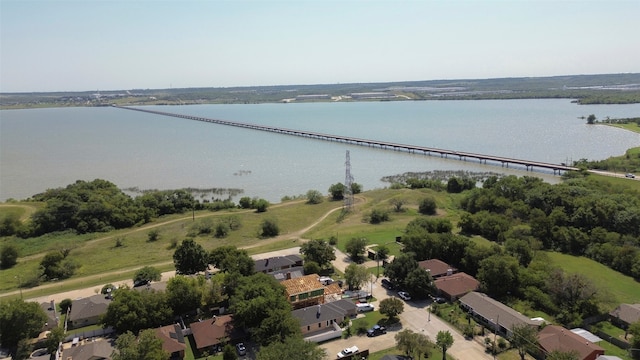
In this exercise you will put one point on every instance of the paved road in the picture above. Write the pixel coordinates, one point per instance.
(415, 317)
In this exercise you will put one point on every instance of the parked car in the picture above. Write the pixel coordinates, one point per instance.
(139, 283)
(387, 284)
(630, 176)
(242, 350)
(348, 351)
(376, 330)
(364, 307)
(438, 299)
(404, 295)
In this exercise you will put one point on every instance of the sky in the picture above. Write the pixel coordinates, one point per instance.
(88, 45)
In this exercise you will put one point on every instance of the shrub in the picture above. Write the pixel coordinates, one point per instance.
(427, 206)
(153, 235)
(269, 228)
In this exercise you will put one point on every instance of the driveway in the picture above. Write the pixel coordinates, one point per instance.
(415, 317)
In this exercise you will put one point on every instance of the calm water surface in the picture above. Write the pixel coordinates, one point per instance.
(47, 148)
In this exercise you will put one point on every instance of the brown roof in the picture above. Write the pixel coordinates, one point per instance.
(209, 332)
(302, 284)
(629, 313)
(172, 338)
(554, 337)
(332, 289)
(436, 267)
(456, 285)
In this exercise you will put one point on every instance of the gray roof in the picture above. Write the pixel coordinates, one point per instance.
(327, 311)
(88, 307)
(276, 263)
(294, 272)
(494, 311)
(629, 313)
(100, 349)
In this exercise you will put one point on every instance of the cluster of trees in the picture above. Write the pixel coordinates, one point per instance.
(98, 205)
(578, 217)
(338, 191)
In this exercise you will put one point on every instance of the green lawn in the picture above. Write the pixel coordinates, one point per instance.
(617, 287)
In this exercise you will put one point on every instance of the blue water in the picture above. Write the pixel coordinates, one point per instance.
(47, 148)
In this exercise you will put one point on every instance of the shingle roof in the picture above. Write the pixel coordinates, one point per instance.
(325, 312)
(276, 263)
(436, 267)
(172, 338)
(302, 284)
(494, 310)
(88, 307)
(456, 285)
(554, 337)
(99, 349)
(629, 313)
(209, 332)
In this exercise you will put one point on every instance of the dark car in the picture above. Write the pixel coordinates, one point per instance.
(242, 351)
(387, 284)
(438, 299)
(139, 283)
(376, 330)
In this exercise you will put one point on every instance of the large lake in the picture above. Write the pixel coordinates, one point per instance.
(48, 148)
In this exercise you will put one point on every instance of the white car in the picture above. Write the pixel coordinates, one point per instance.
(404, 295)
(348, 351)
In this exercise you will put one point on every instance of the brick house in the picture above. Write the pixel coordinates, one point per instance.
(557, 338)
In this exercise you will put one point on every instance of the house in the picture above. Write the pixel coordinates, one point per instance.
(625, 315)
(494, 314)
(87, 311)
(173, 340)
(100, 349)
(273, 264)
(557, 338)
(290, 273)
(52, 317)
(323, 317)
(212, 332)
(456, 285)
(304, 291)
(437, 268)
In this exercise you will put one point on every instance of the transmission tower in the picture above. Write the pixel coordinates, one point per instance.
(348, 181)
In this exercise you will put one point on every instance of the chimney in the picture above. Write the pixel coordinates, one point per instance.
(449, 272)
(319, 312)
(213, 319)
(288, 276)
(53, 306)
(266, 262)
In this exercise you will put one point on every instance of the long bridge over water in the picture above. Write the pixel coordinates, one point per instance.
(461, 155)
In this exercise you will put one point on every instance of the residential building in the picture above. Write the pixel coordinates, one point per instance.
(100, 349)
(304, 291)
(454, 286)
(323, 317)
(173, 340)
(52, 316)
(494, 314)
(625, 315)
(437, 268)
(557, 338)
(273, 264)
(212, 332)
(87, 311)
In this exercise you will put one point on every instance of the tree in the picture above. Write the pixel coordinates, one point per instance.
(8, 256)
(398, 270)
(634, 331)
(355, 247)
(419, 283)
(56, 265)
(391, 307)
(591, 119)
(54, 338)
(318, 251)
(229, 353)
(444, 340)
(19, 320)
(190, 258)
(427, 206)
(153, 235)
(245, 202)
(397, 204)
(499, 275)
(337, 191)
(269, 228)
(293, 347)
(314, 197)
(260, 205)
(147, 347)
(147, 273)
(65, 305)
(276, 327)
(355, 188)
(132, 310)
(355, 275)
(311, 267)
(184, 294)
(413, 344)
(524, 338)
(230, 259)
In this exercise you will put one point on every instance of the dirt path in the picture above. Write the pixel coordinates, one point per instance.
(72, 294)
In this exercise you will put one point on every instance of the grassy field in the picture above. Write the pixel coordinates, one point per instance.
(618, 288)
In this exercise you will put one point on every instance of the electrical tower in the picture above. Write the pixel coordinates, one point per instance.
(348, 181)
